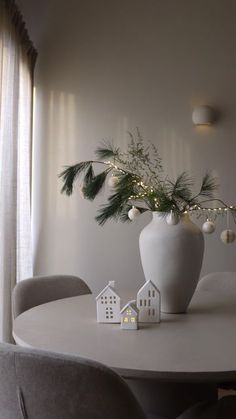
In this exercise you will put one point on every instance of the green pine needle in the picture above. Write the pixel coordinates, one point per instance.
(209, 186)
(107, 151)
(181, 189)
(70, 174)
(92, 188)
(111, 210)
(165, 203)
(89, 175)
(126, 184)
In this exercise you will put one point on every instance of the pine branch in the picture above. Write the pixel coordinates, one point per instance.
(209, 186)
(181, 189)
(107, 151)
(118, 201)
(139, 171)
(94, 186)
(71, 173)
(89, 175)
(112, 210)
(165, 203)
(126, 184)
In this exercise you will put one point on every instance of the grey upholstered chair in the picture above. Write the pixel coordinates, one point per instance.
(225, 408)
(43, 289)
(41, 385)
(219, 281)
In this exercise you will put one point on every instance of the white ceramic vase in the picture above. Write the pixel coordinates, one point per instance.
(171, 257)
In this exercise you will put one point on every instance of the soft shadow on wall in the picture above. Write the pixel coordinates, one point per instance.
(128, 64)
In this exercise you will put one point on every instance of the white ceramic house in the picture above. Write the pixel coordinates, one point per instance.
(149, 303)
(129, 316)
(108, 305)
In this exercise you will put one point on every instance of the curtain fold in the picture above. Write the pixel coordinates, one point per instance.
(17, 59)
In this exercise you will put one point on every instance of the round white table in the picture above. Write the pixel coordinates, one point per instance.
(197, 349)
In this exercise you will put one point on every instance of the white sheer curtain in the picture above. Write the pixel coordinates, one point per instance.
(17, 58)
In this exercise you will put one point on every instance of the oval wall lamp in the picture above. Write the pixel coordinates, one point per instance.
(203, 115)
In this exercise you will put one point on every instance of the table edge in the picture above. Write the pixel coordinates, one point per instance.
(161, 376)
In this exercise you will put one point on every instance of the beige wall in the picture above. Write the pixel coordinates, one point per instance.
(106, 67)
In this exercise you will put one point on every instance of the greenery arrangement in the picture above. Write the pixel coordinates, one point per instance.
(137, 180)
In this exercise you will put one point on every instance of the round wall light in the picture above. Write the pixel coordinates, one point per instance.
(203, 115)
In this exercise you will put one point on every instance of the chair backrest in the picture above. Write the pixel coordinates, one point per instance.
(217, 281)
(42, 385)
(225, 408)
(38, 290)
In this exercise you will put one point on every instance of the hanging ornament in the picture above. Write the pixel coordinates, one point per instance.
(133, 213)
(172, 218)
(227, 236)
(113, 181)
(208, 227)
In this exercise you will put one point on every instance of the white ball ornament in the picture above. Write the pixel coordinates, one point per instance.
(113, 181)
(208, 227)
(133, 213)
(172, 218)
(227, 236)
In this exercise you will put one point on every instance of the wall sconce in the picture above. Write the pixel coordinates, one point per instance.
(203, 115)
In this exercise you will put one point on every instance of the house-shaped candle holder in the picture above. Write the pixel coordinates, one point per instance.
(149, 303)
(108, 305)
(129, 316)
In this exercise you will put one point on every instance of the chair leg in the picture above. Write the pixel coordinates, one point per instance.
(170, 399)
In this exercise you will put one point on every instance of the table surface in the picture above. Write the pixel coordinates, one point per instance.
(197, 346)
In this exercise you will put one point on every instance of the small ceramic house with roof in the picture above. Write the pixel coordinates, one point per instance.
(149, 303)
(129, 316)
(108, 305)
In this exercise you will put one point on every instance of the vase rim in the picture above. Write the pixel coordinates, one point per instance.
(165, 213)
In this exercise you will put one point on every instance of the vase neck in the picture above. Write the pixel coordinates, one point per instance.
(161, 216)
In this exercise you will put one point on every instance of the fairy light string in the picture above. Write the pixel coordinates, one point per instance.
(211, 213)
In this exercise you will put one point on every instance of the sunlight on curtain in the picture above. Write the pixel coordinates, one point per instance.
(16, 71)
